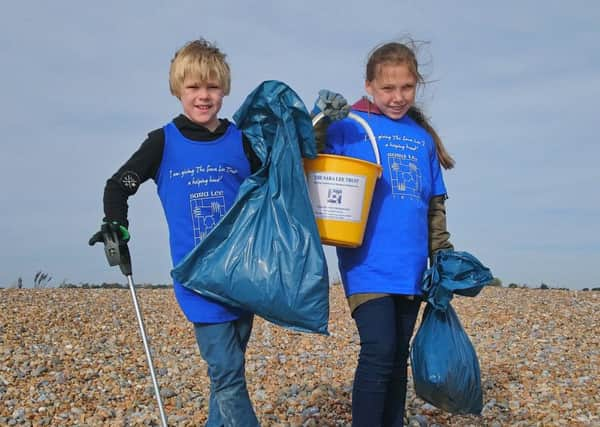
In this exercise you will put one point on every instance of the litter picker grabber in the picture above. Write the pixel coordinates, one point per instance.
(117, 253)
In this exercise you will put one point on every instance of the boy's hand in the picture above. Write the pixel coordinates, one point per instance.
(332, 104)
(109, 227)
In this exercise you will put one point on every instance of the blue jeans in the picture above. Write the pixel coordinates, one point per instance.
(385, 326)
(223, 347)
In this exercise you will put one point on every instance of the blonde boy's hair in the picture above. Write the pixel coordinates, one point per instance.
(201, 60)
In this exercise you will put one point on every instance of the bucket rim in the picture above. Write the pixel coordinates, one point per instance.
(348, 158)
(367, 129)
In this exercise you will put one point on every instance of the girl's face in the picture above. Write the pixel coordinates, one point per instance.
(393, 89)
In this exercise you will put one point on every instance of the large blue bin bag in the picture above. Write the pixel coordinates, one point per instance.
(265, 255)
(444, 363)
(453, 272)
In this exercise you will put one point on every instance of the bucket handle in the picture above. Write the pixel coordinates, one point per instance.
(366, 127)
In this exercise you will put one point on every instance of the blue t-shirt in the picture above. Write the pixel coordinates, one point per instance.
(197, 183)
(394, 252)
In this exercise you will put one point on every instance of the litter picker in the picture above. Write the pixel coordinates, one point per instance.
(117, 253)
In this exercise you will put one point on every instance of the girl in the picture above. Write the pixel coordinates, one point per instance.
(406, 224)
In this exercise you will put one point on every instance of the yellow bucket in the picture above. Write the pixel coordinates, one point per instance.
(341, 189)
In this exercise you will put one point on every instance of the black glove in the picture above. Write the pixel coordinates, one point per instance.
(110, 227)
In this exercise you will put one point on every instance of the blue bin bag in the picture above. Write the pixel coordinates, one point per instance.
(453, 272)
(444, 363)
(265, 255)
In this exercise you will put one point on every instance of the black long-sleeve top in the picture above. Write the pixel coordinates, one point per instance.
(145, 163)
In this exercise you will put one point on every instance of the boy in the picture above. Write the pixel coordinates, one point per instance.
(198, 162)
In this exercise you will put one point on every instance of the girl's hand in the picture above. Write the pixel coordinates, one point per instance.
(333, 105)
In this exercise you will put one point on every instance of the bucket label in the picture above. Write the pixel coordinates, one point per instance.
(336, 196)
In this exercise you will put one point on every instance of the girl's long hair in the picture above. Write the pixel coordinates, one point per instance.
(400, 53)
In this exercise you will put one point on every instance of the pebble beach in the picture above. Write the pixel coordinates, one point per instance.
(75, 357)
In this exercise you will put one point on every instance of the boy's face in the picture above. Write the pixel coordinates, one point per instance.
(201, 101)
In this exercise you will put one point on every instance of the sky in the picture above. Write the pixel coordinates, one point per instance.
(513, 90)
